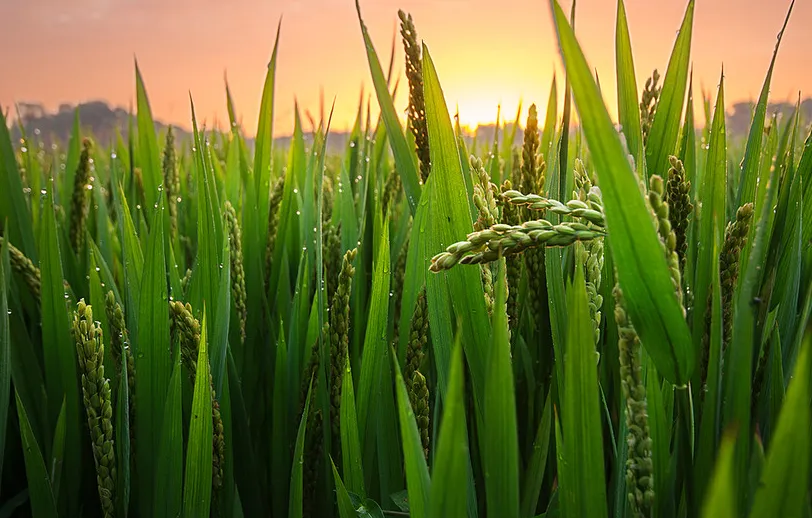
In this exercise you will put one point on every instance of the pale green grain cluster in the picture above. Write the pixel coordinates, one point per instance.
(97, 400)
(22, 266)
(340, 335)
(187, 330)
(678, 196)
(513, 264)
(639, 466)
(594, 250)
(417, 103)
(487, 216)
(238, 292)
(648, 103)
(331, 256)
(668, 238)
(79, 203)
(273, 224)
(120, 344)
(735, 237)
(506, 240)
(171, 180)
(415, 381)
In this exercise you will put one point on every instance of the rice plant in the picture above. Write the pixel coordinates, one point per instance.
(612, 319)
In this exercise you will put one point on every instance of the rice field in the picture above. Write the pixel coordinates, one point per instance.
(611, 319)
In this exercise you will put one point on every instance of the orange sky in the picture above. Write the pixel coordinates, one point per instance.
(486, 52)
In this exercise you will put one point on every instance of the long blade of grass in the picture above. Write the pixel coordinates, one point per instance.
(59, 351)
(627, 99)
(449, 495)
(500, 448)
(534, 473)
(345, 507)
(448, 220)
(418, 482)
(296, 474)
(150, 155)
(350, 443)
(13, 207)
(710, 216)
(662, 140)
(752, 154)
(122, 441)
(168, 465)
(721, 501)
(584, 488)
(642, 271)
(5, 348)
(39, 485)
(197, 484)
(152, 362)
(785, 478)
(405, 159)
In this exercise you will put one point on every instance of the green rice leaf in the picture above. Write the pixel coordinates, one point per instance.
(168, 475)
(405, 159)
(197, 485)
(280, 446)
(58, 348)
(345, 507)
(295, 499)
(152, 363)
(584, 488)
(418, 482)
(721, 501)
(642, 271)
(13, 207)
(500, 448)
(785, 479)
(122, 441)
(662, 140)
(627, 99)
(58, 451)
(39, 485)
(752, 154)
(449, 495)
(374, 352)
(446, 221)
(150, 155)
(351, 452)
(535, 470)
(5, 348)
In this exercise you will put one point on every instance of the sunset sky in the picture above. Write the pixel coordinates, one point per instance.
(486, 52)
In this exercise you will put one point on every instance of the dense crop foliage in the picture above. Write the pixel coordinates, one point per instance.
(608, 321)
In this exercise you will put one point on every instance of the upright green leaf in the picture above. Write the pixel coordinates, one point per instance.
(500, 438)
(446, 219)
(58, 348)
(449, 495)
(150, 154)
(784, 486)
(405, 159)
(417, 473)
(627, 99)
(710, 215)
(662, 140)
(5, 348)
(641, 266)
(583, 483)
(720, 501)
(13, 207)
(345, 507)
(752, 154)
(197, 484)
(153, 362)
(350, 442)
(295, 499)
(39, 485)
(168, 475)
